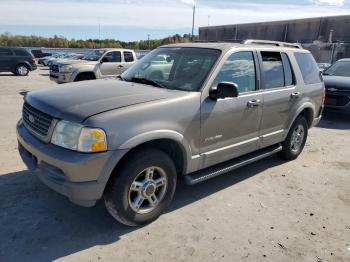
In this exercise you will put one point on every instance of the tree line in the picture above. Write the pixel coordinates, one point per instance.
(8, 39)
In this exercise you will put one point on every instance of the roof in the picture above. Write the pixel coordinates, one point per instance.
(345, 60)
(225, 46)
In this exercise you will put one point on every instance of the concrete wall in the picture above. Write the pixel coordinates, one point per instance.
(301, 30)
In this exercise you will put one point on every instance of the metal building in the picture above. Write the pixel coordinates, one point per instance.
(328, 38)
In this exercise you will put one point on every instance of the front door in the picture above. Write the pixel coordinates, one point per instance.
(6, 59)
(230, 126)
(111, 64)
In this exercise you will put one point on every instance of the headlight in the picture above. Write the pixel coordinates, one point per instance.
(77, 137)
(65, 68)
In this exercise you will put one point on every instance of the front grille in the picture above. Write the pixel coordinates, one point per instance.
(36, 121)
(54, 68)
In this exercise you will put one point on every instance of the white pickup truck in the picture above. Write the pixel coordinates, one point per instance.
(99, 63)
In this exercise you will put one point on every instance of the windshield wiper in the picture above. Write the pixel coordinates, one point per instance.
(146, 81)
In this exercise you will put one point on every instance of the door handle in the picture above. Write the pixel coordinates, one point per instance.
(295, 95)
(120, 66)
(254, 103)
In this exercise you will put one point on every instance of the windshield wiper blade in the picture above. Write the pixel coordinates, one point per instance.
(146, 81)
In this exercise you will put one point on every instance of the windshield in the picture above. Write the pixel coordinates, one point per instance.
(174, 68)
(340, 68)
(93, 55)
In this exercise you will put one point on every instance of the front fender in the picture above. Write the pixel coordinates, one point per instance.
(160, 134)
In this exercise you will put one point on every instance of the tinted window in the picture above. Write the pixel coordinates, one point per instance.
(272, 69)
(288, 72)
(5, 52)
(114, 57)
(239, 68)
(308, 68)
(21, 52)
(128, 57)
(340, 68)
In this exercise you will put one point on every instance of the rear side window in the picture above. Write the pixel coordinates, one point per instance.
(21, 52)
(128, 57)
(5, 52)
(272, 69)
(308, 68)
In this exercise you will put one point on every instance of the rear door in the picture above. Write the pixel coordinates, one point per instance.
(111, 64)
(7, 60)
(280, 95)
(230, 126)
(129, 60)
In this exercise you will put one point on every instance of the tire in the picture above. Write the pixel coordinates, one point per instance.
(22, 70)
(83, 77)
(129, 187)
(296, 139)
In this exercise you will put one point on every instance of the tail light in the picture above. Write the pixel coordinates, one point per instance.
(323, 96)
(33, 58)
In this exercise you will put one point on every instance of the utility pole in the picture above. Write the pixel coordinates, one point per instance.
(149, 43)
(99, 30)
(208, 20)
(194, 12)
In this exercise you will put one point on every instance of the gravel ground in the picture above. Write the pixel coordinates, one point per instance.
(269, 211)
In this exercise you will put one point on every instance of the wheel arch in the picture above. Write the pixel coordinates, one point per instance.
(80, 73)
(308, 111)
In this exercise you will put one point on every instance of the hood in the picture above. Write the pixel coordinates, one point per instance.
(77, 101)
(72, 62)
(338, 82)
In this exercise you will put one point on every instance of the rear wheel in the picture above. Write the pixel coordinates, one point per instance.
(296, 139)
(22, 70)
(143, 188)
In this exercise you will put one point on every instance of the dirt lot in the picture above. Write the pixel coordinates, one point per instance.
(269, 211)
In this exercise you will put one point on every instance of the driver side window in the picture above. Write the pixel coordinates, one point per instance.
(113, 57)
(239, 68)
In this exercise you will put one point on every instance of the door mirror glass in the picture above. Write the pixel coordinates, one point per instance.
(223, 90)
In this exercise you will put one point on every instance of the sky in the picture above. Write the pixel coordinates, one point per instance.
(130, 20)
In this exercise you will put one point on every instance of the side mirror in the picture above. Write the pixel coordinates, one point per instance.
(104, 60)
(223, 90)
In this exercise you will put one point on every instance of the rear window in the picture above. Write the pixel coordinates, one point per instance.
(308, 68)
(128, 57)
(21, 52)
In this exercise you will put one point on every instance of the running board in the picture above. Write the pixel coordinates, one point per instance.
(220, 169)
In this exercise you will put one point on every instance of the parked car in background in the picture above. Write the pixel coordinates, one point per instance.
(45, 60)
(39, 54)
(99, 63)
(69, 56)
(323, 66)
(337, 82)
(16, 60)
(215, 107)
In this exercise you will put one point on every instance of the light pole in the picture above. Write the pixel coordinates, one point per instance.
(149, 43)
(194, 12)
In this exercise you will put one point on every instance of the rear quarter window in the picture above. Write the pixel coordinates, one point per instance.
(20, 52)
(308, 68)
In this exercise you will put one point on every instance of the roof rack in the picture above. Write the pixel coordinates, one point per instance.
(274, 43)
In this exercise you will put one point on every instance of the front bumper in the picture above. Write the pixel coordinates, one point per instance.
(81, 177)
(60, 77)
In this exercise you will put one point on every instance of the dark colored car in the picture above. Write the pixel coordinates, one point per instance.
(337, 82)
(39, 54)
(16, 60)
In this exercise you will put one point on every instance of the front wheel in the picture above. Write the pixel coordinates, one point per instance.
(142, 189)
(296, 139)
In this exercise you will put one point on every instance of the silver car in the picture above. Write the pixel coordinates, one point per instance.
(207, 109)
